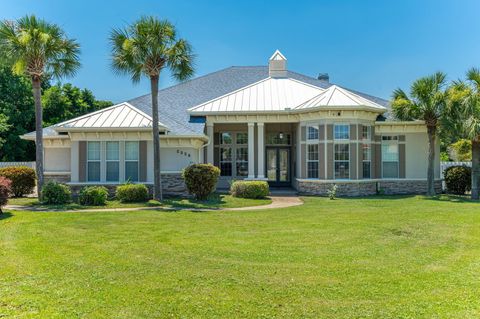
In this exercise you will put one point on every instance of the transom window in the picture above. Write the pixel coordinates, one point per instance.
(390, 165)
(112, 161)
(342, 161)
(312, 133)
(131, 161)
(93, 161)
(312, 160)
(278, 138)
(341, 132)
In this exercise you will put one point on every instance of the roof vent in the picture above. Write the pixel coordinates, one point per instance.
(324, 77)
(277, 65)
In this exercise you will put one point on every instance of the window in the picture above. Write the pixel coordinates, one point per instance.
(312, 161)
(112, 161)
(367, 159)
(225, 138)
(389, 156)
(366, 132)
(233, 154)
(226, 161)
(312, 133)
(242, 161)
(342, 161)
(93, 161)
(341, 132)
(278, 139)
(242, 139)
(131, 161)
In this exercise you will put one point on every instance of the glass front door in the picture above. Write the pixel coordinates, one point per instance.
(278, 166)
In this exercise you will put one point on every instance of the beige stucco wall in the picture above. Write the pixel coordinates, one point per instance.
(416, 155)
(57, 159)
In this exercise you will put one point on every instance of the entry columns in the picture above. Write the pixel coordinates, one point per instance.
(261, 150)
(251, 150)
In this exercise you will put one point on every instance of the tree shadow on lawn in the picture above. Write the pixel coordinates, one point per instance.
(5, 215)
(440, 198)
(214, 201)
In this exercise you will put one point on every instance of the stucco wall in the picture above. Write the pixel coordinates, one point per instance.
(416, 151)
(57, 159)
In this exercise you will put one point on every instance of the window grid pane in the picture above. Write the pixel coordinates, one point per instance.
(131, 171)
(225, 138)
(93, 174)
(366, 132)
(93, 151)
(131, 151)
(312, 169)
(342, 132)
(112, 151)
(312, 133)
(242, 138)
(113, 171)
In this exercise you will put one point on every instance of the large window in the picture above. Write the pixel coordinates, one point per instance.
(93, 161)
(341, 132)
(312, 133)
(131, 161)
(241, 154)
(112, 161)
(367, 151)
(226, 159)
(390, 156)
(233, 152)
(312, 160)
(342, 161)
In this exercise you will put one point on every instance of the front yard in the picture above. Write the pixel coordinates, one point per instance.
(378, 257)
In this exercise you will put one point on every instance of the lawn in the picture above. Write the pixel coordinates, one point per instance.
(215, 201)
(378, 257)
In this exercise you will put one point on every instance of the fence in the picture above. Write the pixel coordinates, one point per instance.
(445, 165)
(28, 164)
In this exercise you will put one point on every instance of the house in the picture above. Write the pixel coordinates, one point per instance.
(257, 123)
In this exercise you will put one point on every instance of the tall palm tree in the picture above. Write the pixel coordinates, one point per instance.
(39, 49)
(427, 102)
(464, 118)
(145, 48)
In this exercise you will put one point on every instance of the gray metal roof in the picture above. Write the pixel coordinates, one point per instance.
(175, 100)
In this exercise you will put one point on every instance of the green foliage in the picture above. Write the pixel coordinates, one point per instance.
(5, 191)
(458, 179)
(249, 189)
(201, 179)
(22, 177)
(332, 192)
(128, 193)
(56, 193)
(63, 102)
(461, 151)
(444, 157)
(93, 195)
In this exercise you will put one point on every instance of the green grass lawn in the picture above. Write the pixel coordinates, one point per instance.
(378, 257)
(215, 201)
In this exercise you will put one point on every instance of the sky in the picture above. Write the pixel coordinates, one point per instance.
(369, 46)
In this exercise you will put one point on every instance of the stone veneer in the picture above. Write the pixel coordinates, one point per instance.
(60, 178)
(365, 188)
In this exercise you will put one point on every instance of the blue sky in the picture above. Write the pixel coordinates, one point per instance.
(370, 46)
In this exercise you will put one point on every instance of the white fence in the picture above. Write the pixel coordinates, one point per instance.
(7, 164)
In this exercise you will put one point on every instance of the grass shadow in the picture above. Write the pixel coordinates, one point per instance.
(214, 201)
(5, 215)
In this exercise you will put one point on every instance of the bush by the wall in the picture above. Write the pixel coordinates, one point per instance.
(458, 179)
(249, 189)
(201, 179)
(5, 191)
(128, 193)
(93, 195)
(23, 179)
(55, 193)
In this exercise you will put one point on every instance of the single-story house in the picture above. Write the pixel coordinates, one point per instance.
(253, 122)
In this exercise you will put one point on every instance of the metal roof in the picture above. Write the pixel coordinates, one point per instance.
(271, 94)
(336, 96)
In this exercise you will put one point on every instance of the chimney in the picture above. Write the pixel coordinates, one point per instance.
(324, 77)
(277, 65)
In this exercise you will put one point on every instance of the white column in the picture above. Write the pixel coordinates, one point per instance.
(251, 150)
(261, 150)
(298, 151)
(210, 143)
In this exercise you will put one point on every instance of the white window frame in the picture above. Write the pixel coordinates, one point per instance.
(313, 160)
(99, 161)
(341, 125)
(112, 161)
(341, 161)
(128, 161)
(390, 140)
(234, 147)
(367, 141)
(235, 151)
(316, 136)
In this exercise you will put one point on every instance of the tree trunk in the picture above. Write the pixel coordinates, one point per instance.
(37, 96)
(157, 179)
(431, 131)
(475, 168)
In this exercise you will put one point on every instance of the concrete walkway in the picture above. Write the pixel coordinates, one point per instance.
(277, 202)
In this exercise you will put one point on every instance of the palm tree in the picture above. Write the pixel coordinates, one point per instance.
(39, 49)
(464, 119)
(427, 102)
(145, 48)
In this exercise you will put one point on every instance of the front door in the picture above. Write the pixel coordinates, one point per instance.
(278, 166)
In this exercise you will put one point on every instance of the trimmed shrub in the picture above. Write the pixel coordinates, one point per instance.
(129, 193)
(201, 179)
(5, 191)
(56, 193)
(23, 179)
(249, 189)
(93, 195)
(458, 179)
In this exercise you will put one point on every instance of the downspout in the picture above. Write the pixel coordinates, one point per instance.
(200, 150)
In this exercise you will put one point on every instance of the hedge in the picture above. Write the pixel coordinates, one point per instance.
(249, 189)
(56, 193)
(128, 193)
(458, 179)
(23, 179)
(201, 179)
(93, 195)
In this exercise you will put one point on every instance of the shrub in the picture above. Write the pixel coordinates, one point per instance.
(128, 193)
(93, 195)
(458, 179)
(22, 177)
(55, 193)
(249, 189)
(5, 191)
(201, 179)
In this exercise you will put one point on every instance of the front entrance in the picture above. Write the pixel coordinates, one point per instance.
(278, 166)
